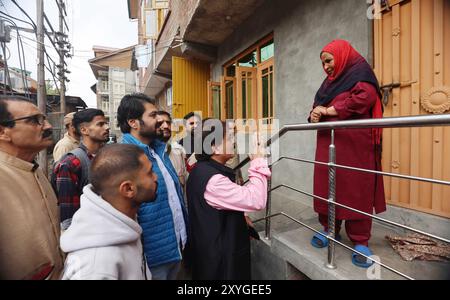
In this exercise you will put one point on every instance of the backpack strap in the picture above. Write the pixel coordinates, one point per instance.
(85, 165)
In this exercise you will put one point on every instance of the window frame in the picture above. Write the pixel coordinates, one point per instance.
(163, 4)
(256, 97)
(160, 9)
(155, 12)
(266, 65)
(210, 94)
(256, 46)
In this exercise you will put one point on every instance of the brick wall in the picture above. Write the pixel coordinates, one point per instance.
(180, 15)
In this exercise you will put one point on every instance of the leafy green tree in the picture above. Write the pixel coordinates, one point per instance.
(51, 88)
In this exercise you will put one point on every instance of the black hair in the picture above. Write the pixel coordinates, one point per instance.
(115, 160)
(163, 112)
(192, 114)
(5, 115)
(213, 133)
(132, 107)
(85, 116)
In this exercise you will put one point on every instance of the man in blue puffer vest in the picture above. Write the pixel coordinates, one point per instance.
(164, 220)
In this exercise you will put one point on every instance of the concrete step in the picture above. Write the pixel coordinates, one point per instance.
(291, 244)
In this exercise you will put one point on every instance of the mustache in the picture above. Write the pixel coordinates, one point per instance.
(47, 133)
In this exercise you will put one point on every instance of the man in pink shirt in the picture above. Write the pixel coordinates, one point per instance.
(219, 234)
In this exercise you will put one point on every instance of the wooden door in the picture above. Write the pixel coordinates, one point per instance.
(228, 96)
(214, 100)
(412, 54)
(266, 91)
(246, 92)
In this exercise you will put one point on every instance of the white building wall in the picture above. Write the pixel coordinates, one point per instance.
(121, 82)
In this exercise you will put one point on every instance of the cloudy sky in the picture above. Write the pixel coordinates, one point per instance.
(91, 22)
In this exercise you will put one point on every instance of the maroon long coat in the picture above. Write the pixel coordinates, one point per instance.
(355, 148)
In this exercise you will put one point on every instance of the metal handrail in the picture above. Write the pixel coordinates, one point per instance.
(415, 121)
(394, 122)
(401, 176)
(336, 241)
(430, 180)
(363, 213)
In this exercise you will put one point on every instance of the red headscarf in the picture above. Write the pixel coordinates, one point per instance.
(344, 56)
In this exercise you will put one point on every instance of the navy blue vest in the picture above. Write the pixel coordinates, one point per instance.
(219, 240)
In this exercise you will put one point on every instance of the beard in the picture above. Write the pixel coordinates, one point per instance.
(100, 139)
(143, 194)
(147, 131)
(160, 134)
(164, 136)
(148, 134)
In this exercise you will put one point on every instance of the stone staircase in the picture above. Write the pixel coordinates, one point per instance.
(289, 254)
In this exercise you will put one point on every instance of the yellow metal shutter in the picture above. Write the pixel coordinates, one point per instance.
(189, 86)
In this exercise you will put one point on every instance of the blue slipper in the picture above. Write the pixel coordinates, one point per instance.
(359, 260)
(319, 241)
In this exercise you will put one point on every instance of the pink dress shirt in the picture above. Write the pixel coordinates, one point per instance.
(222, 193)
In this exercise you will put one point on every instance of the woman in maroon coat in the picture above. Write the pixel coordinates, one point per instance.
(349, 92)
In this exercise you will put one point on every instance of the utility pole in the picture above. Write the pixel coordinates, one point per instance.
(5, 70)
(5, 37)
(41, 92)
(61, 43)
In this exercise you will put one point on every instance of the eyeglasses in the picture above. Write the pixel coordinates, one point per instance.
(37, 119)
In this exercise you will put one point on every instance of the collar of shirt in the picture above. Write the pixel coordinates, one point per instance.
(156, 145)
(17, 162)
(72, 139)
(85, 149)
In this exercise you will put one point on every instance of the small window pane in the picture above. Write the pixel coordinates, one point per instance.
(169, 97)
(161, 3)
(267, 51)
(229, 100)
(216, 102)
(271, 95)
(244, 98)
(249, 60)
(249, 97)
(265, 96)
(231, 70)
(150, 26)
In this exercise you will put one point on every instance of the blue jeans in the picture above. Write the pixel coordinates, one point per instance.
(167, 271)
